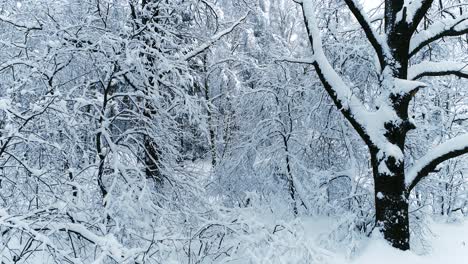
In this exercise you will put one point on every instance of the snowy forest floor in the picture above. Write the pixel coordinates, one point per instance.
(320, 239)
(444, 243)
(448, 244)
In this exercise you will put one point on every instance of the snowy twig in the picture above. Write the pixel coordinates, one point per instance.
(296, 60)
(213, 39)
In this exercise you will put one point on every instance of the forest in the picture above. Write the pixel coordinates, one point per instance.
(233, 131)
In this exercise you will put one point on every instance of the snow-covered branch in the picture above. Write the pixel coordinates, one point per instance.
(295, 60)
(371, 34)
(415, 11)
(23, 24)
(452, 148)
(351, 106)
(430, 68)
(444, 28)
(108, 243)
(213, 39)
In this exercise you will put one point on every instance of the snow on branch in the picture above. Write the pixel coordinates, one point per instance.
(371, 34)
(23, 24)
(413, 11)
(107, 243)
(452, 148)
(444, 28)
(430, 68)
(351, 106)
(420, 9)
(295, 60)
(213, 39)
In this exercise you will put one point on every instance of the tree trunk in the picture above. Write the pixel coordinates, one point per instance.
(391, 208)
(152, 170)
(392, 218)
(211, 127)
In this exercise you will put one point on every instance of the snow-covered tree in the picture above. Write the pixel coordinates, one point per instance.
(401, 37)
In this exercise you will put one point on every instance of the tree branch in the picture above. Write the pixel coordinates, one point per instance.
(452, 148)
(420, 13)
(438, 30)
(430, 68)
(215, 38)
(24, 24)
(295, 60)
(371, 35)
(349, 105)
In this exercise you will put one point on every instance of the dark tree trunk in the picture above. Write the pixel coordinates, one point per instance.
(393, 221)
(391, 194)
(391, 210)
(152, 170)
(211, 128)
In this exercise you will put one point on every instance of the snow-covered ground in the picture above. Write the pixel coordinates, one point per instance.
(278, 238)
(311, 240)
(448, 243)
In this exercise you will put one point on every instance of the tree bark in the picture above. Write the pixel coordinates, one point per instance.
(393, 220)
(391, 210)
